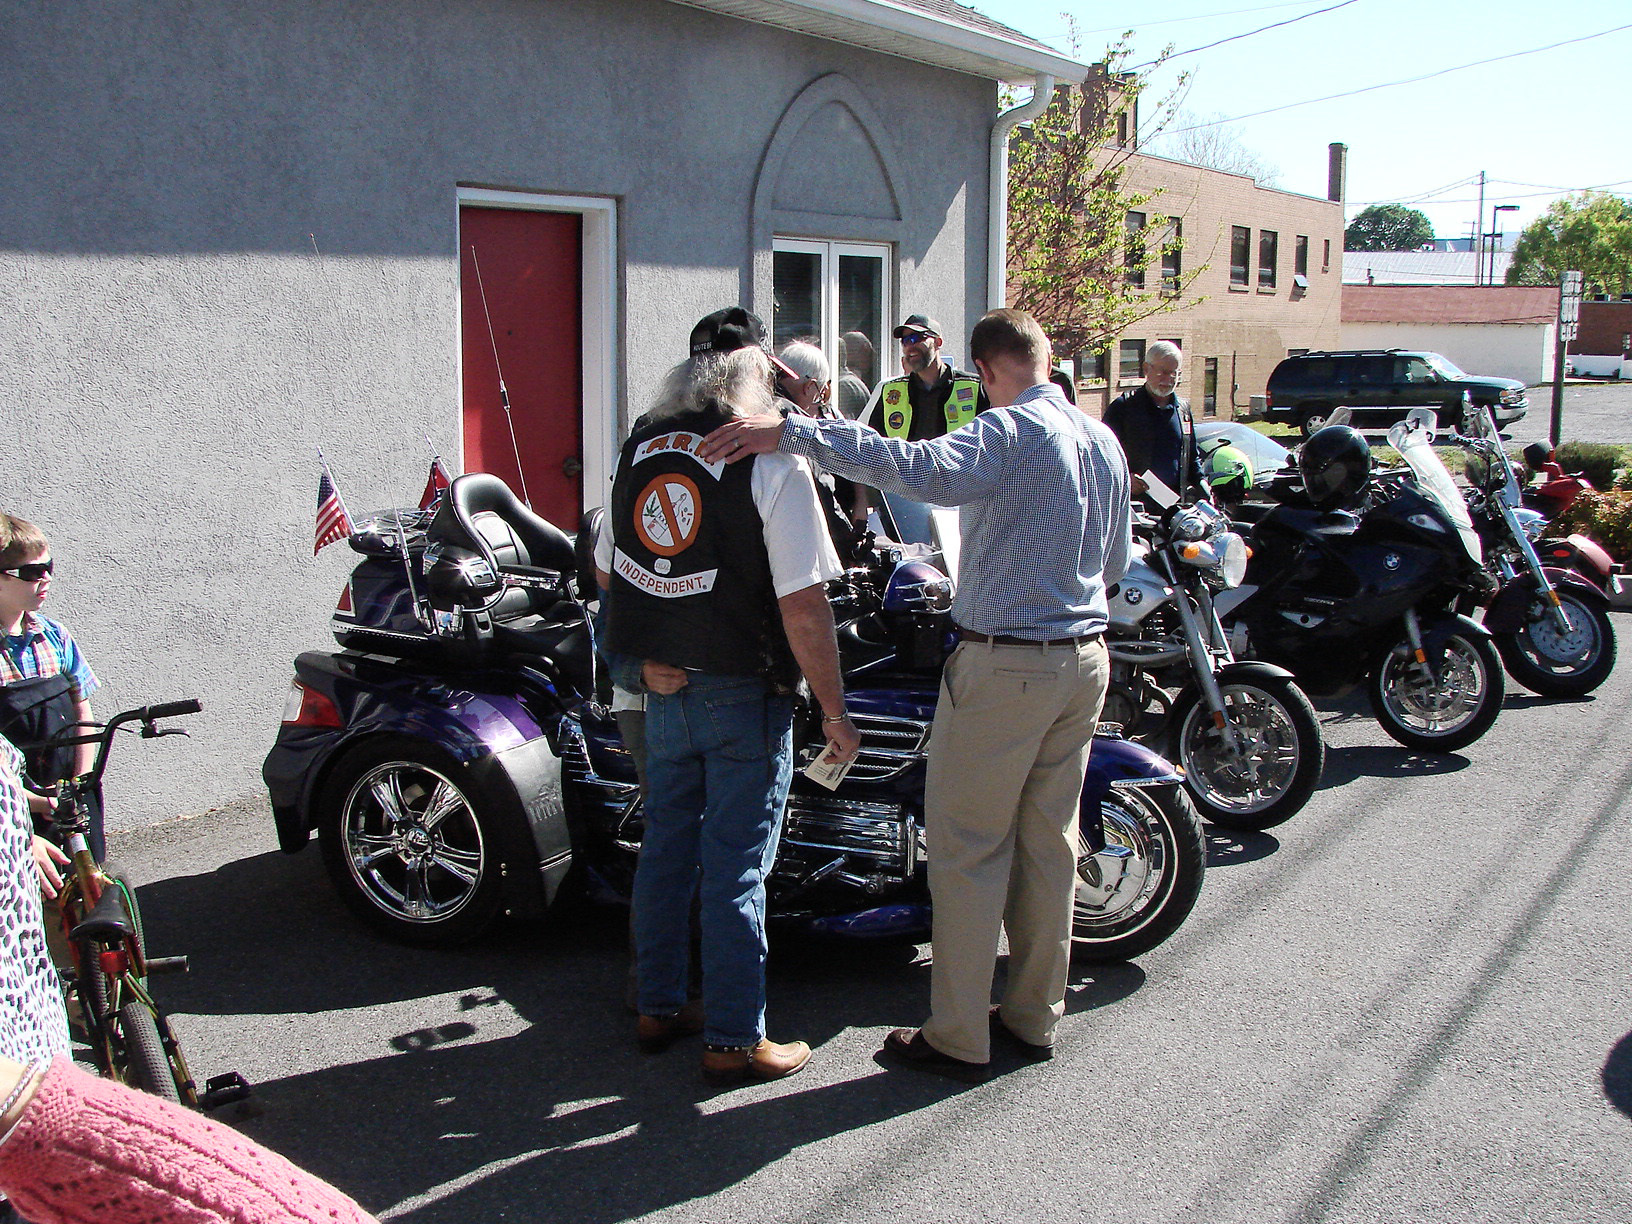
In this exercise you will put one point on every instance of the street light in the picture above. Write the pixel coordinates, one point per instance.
(1495, 235)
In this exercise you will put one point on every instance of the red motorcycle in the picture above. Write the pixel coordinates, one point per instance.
(1556, 493)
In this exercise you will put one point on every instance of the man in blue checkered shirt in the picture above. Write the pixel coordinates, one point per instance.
(1044, 520)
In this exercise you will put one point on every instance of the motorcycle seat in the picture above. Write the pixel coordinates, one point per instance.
(480, 513)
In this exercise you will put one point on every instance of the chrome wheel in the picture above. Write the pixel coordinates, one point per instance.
(1135, 892)
(1445, 705)
(1272, 767)
(406, 846)
(1559, 663)
(412, 842)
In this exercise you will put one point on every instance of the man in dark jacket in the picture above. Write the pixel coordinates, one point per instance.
(1154, 426)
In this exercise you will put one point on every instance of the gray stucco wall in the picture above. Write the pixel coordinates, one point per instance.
(228, 235)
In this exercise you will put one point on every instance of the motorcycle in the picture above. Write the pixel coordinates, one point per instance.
(1554, 493)
(1365, 588)
(457, 765)
(1551, 626)
(1242, 730)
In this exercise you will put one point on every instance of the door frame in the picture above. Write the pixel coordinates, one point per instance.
(598, 289)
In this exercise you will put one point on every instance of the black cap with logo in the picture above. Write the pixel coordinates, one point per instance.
(919, 322)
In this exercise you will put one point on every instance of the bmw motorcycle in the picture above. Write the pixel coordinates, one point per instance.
(458, 762)
(1242, 730)
(1365, 587)
(1551, 626)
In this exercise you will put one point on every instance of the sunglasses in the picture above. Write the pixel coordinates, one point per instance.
(32, 572)
(916, 337)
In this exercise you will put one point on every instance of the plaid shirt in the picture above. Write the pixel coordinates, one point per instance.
(45, 648)
(1042, 492)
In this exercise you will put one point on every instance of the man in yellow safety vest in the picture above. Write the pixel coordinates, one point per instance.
(931, 398)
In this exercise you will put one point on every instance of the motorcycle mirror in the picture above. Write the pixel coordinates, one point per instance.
(1425, 419)
(1340, 416)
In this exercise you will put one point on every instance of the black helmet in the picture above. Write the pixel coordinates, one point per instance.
(1335, 464)
(1537, 454)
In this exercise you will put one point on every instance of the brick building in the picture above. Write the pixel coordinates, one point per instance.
(1606, 329)
(1270, 286)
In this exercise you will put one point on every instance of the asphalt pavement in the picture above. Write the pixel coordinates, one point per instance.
(1593, 412)
(1411, 1002)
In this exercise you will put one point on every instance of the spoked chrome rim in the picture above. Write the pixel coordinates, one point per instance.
(413, 845)
(1118, 888)
(1262, 766)
(1554, 650)
(1444, 703)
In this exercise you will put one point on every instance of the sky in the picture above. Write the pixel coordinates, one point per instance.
(1537, 125)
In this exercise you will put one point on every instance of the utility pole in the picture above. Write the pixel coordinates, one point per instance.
(1569, 315)
(1479, 235)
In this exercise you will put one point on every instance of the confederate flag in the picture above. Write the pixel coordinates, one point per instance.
(435, 483)
(333, 523)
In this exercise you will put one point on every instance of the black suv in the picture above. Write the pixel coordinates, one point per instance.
(1379, 386)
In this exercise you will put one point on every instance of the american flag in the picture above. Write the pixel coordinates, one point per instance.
(333, 523)
(435, 484)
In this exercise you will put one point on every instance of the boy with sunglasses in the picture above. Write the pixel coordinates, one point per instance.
(45, 682)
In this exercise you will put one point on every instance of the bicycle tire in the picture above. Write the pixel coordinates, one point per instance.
(147, 1066)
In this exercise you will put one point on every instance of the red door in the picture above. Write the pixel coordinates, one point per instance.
(529, 269)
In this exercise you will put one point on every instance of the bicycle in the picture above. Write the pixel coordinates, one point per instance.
(130, 1037)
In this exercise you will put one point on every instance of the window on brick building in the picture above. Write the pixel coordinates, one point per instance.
(1092, 366)
(1172, 255)
(1130, 366)
(1209, 387)
(1300, 255)
(1134, 250)
(1326, 255)
(1240, 253)
(1268, 243)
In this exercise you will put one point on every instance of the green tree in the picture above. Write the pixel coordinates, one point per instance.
(1388, 227)
(1074, 262)
(1590, 233)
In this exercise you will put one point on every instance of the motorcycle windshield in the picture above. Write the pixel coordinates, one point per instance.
(909, 522)
(1416, 448)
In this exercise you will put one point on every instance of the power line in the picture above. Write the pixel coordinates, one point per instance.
(1237, 37)
(1428, 76)
(1263, 8)
(1491, 197)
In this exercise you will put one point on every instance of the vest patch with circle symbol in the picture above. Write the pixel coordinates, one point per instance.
(897, 420)
(668, 513)
(892, 397)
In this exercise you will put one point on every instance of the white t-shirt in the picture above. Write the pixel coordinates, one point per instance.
(796, 540)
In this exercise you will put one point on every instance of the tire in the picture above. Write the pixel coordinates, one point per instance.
(1558, 664)
(431, 875)
(1449, 713)
(1314, 418)
(1279, 764)
(146, 1066)
(1138, 890)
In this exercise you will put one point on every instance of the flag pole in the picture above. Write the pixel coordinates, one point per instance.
(334, 484)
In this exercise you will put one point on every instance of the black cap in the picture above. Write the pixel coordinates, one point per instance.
(726, 331)
(918, 322)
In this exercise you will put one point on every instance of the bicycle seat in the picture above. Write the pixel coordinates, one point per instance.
(108, 921)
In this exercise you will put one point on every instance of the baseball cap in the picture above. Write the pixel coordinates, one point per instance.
(726, 331)
(918, 322)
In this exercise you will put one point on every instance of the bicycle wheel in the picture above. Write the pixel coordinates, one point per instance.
(146, 1065)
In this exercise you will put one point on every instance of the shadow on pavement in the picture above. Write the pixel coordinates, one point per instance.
(1232, 847)
(1617, 1075)
(468, 1119)
(1369, 761)
(1518, 699)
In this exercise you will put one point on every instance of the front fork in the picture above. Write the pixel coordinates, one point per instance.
(1533, 564)
(1202, 662)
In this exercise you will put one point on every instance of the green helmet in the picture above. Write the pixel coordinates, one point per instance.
(1227, 471)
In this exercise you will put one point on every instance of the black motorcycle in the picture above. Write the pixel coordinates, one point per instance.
(458, 762)
(1356, 576)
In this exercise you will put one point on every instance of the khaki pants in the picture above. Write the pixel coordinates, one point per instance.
(1007, 757)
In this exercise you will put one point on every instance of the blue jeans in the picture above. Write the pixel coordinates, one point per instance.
(719, 756)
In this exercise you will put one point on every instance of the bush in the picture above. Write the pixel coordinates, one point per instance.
(1597, 460)
(1604, 517)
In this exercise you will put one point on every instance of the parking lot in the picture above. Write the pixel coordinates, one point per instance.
(1593, 412)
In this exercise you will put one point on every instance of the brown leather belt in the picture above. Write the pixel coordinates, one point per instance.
(999, 639)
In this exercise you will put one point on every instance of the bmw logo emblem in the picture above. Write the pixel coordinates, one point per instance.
(1134, 595)
(1391, 561)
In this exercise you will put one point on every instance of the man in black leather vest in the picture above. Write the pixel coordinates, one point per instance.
(716, 580)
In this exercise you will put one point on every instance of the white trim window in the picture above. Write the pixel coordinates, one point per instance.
(837, 295)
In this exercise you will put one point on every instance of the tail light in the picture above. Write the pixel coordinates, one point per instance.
(307, 707)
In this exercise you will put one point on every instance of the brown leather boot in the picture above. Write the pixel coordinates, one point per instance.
(654, 1034)
(765, 1061)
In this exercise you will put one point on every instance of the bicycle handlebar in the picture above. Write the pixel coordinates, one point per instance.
(171, 709)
